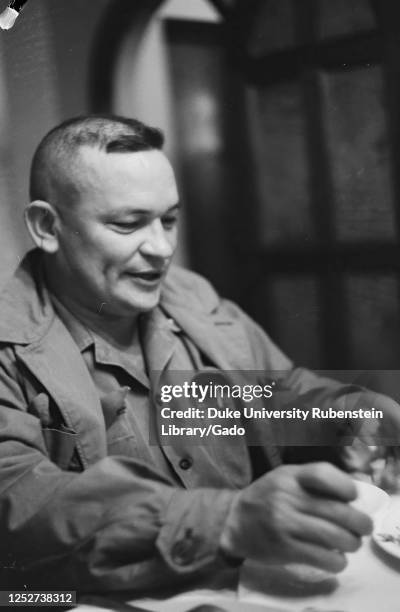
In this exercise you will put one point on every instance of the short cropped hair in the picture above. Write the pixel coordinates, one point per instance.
(56, 157)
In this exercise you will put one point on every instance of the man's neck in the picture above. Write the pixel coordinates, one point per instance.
(120, 331)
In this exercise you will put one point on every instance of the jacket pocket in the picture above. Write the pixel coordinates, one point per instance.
(121, 439)
(60, 445)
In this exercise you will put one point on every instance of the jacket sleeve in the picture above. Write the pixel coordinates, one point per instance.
(118, 525)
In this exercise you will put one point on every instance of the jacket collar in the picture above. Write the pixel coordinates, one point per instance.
(196, 307)
(27, 313)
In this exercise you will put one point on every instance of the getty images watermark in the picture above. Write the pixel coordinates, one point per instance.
(312, 410)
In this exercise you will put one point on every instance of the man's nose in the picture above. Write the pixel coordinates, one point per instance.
(157, 242)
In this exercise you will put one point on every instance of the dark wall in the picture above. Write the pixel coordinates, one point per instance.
(44, 65)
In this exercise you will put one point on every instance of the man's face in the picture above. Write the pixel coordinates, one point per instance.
(117, 241)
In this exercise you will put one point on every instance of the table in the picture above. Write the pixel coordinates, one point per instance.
(370, 583)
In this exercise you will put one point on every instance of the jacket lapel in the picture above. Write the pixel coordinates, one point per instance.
(220, 338)
(158, 339)
(56, 362)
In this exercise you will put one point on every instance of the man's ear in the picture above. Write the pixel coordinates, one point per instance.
(41, 219)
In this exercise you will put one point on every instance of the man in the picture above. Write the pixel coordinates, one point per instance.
(89, 323)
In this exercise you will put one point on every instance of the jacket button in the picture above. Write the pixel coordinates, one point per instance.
(185, 463)
(184, 551)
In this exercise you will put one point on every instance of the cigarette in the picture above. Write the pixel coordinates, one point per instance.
(9, 16)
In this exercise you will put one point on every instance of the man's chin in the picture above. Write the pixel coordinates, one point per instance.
(145, 303)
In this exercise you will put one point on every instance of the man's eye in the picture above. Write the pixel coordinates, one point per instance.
(169, 222)
(125, 227)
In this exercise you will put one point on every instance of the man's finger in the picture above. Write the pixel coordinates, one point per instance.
(341, 514)
(328, 535)
(317, 556)
(327, 480)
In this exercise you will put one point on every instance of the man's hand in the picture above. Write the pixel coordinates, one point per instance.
(372, 431)
(371, 439)
(296, 514)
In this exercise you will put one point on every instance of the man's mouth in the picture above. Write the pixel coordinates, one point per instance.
(147, 276)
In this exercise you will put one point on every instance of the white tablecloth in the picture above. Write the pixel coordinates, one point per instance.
(370, 583)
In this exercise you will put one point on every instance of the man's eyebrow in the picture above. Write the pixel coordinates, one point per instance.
(176, 206)
(127, 210)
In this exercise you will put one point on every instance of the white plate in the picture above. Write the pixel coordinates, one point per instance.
(389, 525)
(370, 499)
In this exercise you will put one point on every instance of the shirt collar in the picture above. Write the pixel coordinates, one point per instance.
(82, 336)
(157, 329)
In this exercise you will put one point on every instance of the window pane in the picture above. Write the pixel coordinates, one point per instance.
(272, 27)
(295, 310)
(373, 303)
(278, 136)
(338, 17)
(358, 147)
